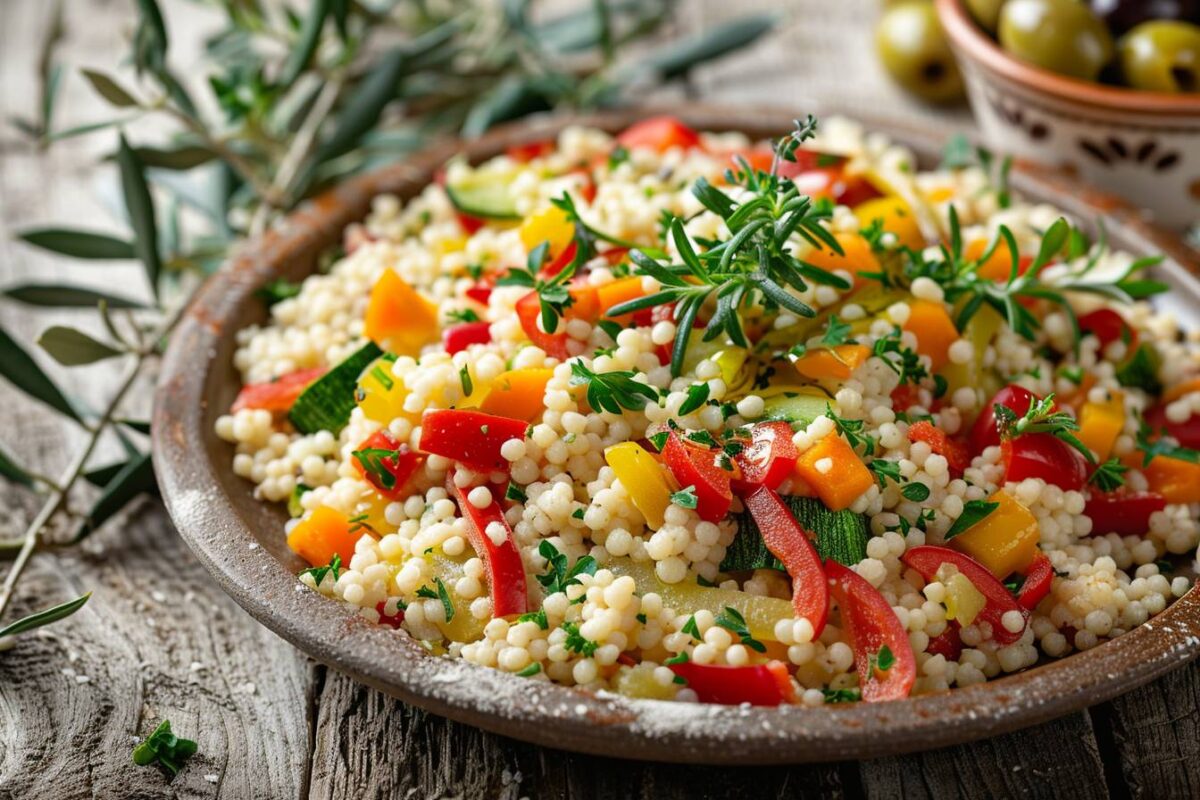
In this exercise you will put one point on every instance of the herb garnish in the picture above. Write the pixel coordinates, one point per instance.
(575, 641)
(462, 315)
(697, 396)
(916, 491)
(685, 497)
(882, 661)
(732, 620)
(439, 594)
(515, 493)
(164, 748)
(1041, 418)
(554, 298)
(1161, 445)
(612, 391)
(530, 671)
(973, 512)
(372, 461)
(852, 429)
(841, 695)
(885, 470)
(318, 573)
(557, 576)
(691, 629)
(1109, 476)
(276, 291)
(538, 616)
(464, 377)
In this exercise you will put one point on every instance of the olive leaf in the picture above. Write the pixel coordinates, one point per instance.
(101, 476)
(509, 99)
(135, 477)
(50, 295)
(140, 205)
(110, 90)
(19, 368)
(150, 40)
(77, 243)
(306, 47)
(53, 614)
(13, 471)
(675, 60)
(181, 157)
(73, 348)
(90, 127)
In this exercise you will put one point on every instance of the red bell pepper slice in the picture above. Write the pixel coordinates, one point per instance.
(481, 292)
(984, 433)
(697, 466)
(527, 152)
(1186, 432)
(278, 395)
(1121, 512)
(1045, 456)
(956, 452)
(768, 459)
(1038, 579)
(658, 133)
(1108, 326)
(529, 310)
(927, 559)
(470, 224)
(391, 620)
(559, 263)
(397, 468)
(948, 643)
(472, 437)
(506, 571)
(788, 542)
(871, 624)
(757, 684)
(458, 337)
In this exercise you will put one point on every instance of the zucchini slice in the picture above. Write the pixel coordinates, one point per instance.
(840, 535)
(486, 194)
(326, 404)
(802, 406)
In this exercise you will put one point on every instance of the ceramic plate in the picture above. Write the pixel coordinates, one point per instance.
(239, 539)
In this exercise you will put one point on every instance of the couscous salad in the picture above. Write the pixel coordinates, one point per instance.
(684, 416)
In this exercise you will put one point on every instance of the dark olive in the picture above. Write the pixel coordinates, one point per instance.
(914, 50)
(986, 13)
(1122, 15)
(1062, 36)
(1161, 56)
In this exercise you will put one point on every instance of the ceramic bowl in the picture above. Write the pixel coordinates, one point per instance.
(239, 540)
(1141, 146)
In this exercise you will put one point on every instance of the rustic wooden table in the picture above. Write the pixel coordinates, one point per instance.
(158, 639)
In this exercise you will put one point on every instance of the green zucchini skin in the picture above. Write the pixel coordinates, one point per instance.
(484, 199)
(840, 535)
(796, 407)
(326, 404)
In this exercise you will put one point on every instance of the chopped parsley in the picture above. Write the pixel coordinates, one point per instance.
(318, 573)
(904, 361)
(852, 429)
(685, 498)
(530, 671)
(886, 470)
(641, 618)
(1109, 476)
(557, 576)
(372, 459)
(916, 492)
(691, 629)
(439, 594)
(732, 620)
(164, 748)
(836, 332)
(538, 616)
(974, 511)
(1161, 445)
(697, 396)
(841, 695)
(515, 493)
(578, 513)
(881, 661)
(612, 391)
(463, 315)
(576, 643)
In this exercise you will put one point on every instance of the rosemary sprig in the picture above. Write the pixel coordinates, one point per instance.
(1041, 418)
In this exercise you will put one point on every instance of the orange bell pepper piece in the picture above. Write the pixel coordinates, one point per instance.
(935, 331)
(1179, 390)
(857, 256)
(323, 534)
(1101, 423)
(1174, 479)
(517, 394)
(837, 362)
(896, 216)
(399, 316)
(846, 478)
(619, 291)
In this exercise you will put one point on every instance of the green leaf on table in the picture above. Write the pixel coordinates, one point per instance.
(134, 478)
(73, 348)
(110, 90)
(100, 476)
(141, 426)
(140, 205)
(53, 614)
(13, 471)
(304, 49)
(19, 368)
(78, 244)
(677, 58)
(164, 748)
(48, 295)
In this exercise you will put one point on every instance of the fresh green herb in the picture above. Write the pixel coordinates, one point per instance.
(383, 376)
(530, 671)
(439, 593)
(1140, 370)
(576, 643)
(318, 573)
(1109, 476)
(295, 509)
(578, 513)
(372, 460)
(705, 582)
(958, 152)
(841, 695)
(659, 440)
(916, 492)
(881, 661)
(1161, 444)
(691, 629)
(463, 315)
(940, 386)
(886, 470)
(165, 749)
(359, 522)
(974, 511)
(277, 290)
(852, 429)
(515, 493)
(1073, 374)
(611, 328)
(1014, 584)
(1041, 418)
(554, 296)
(618, 156)
(557, 576)
(685, 497)
(701, 437)
(1164, 566)
(732, 620)
(906, 363)
(697, 395)
(538, 616)
(680, 658)
(612, 391)
(754, 268)
(641, 618)
(836, 332)
(569, 438)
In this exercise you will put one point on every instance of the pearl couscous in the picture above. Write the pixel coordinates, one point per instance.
(685, 416)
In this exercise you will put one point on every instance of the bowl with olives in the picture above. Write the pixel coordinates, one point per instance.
(1105, 89)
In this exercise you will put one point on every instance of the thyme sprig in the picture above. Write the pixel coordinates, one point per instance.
(1041, 418)
(753, 268)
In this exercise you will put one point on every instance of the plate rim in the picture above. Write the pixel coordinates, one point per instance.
(206, 516)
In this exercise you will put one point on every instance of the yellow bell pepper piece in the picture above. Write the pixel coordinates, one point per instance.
(550, 225)
(688, 597)
(837, 363)
(834, 471)
(935, 331)
(897, 218)
(518, 393)
(1005, 541)
(639, 681)
(464, 627)
(963, 600)
(1174, 479)
(398, 318)
(643, 478)
(380, 394)
(979, 331)
(1101, 423)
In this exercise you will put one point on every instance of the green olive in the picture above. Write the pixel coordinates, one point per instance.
(914, 51)
(1063, 36)
(986, 13)
(1161, 56)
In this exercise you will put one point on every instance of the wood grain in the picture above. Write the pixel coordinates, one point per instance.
(160, 640)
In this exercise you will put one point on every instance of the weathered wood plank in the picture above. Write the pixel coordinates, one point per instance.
(1060, 759)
